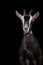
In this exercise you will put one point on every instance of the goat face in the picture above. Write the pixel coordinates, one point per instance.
(27, 20)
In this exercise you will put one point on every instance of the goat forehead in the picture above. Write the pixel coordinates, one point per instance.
(26, 17)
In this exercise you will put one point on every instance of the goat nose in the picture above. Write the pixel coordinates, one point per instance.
(26, 29)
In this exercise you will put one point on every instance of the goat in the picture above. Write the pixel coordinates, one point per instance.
(30, 52)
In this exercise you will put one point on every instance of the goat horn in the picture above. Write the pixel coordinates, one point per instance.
(30, 12)
(24, 12)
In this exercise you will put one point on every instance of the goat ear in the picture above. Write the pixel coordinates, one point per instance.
(35, 16)
(18, 15)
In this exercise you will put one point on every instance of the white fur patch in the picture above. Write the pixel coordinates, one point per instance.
(30, 20)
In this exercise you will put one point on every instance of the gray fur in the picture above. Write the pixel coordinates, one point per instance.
(30, 49)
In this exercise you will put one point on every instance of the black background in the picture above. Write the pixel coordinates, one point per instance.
(13, 27)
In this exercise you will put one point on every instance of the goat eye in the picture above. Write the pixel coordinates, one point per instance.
(24, 17)
(31, 23)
